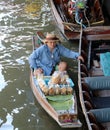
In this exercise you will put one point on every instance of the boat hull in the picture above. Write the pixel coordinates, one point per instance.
(94, 80)
(48, 108)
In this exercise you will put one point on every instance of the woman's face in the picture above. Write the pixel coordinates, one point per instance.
(51, 44)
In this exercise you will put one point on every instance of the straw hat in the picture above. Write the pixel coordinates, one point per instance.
(51, 37)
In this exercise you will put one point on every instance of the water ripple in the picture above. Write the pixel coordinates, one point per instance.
(8, 124)
(17, 24)
(3, 83)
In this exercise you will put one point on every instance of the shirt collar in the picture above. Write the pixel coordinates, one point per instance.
(48, 50)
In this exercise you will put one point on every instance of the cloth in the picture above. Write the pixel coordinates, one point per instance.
(60, 102)
(105, 63)
(64, 105)
(45, 59)
(59, 98)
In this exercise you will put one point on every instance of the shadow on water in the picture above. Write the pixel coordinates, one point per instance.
(19, 20)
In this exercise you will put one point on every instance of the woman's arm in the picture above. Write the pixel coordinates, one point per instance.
(32, 60)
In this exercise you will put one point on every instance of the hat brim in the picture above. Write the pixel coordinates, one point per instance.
(47, 40)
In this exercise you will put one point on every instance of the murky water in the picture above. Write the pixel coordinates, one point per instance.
(19, 21)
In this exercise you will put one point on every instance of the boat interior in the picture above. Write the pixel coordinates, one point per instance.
(94, 83)
(91, 12)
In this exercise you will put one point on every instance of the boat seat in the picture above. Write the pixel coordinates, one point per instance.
(94, 126)
(102, 50)
(94, 123)
(101, 102)
(98, 83)
(84, 55)
(92, 117)
(96, 71)
(83, 74)
(85, 86)
(102, 115)
(96, 102)
(84, 69)
(86, 96)
(88, 105)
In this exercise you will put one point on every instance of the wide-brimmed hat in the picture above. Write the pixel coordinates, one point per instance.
(51, 37)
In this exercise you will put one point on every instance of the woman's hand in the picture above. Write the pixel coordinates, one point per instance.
(81, 58)
(38, 71)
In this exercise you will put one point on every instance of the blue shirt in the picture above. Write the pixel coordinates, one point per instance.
(43, 58)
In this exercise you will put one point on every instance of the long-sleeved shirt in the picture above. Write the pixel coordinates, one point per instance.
(43, 58)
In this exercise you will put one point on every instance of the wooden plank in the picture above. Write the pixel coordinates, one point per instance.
(96, 72)
(94, 37)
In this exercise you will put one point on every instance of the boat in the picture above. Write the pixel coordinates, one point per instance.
(94, 80)
(56, 99)
(87, 11)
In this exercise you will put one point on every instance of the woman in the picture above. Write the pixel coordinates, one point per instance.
(45, 58)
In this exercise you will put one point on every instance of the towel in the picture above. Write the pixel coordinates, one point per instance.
(105, 63)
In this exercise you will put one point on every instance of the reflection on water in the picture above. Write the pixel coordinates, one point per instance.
(19, 20)
(2, 79)
(32, 8)
(8, 124)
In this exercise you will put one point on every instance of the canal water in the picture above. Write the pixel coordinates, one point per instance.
(19, 21)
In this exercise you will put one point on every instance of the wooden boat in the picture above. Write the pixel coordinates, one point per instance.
(90, 14)
(62, 107)
(94, 81)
